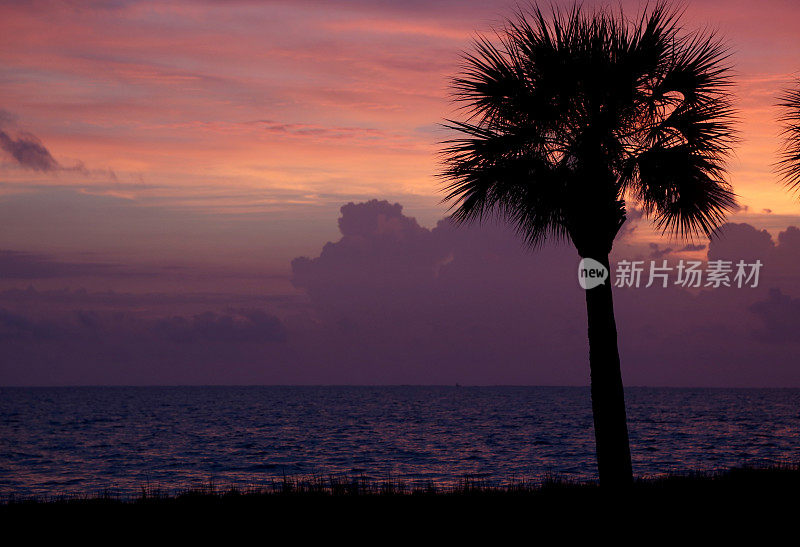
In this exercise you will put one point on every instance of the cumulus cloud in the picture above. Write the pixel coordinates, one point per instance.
(391, 301)
(740, 241)
(780, 259)
(380, 248)
(471, 303)
(444, 304)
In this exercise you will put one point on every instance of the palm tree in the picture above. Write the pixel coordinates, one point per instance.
(789, 164)
(569, 115)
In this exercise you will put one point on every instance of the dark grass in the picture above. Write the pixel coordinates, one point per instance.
(706, 508)
(743, 484)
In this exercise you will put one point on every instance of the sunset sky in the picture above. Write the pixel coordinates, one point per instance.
(182, 154)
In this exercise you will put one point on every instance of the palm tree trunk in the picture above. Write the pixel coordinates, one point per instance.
(608, 399)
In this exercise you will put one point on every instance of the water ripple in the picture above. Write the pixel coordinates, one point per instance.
(87, 440)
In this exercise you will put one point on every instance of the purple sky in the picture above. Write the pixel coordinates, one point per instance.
(393, 302)
(164, 166)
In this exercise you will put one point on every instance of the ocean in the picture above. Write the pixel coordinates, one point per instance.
(88, 440)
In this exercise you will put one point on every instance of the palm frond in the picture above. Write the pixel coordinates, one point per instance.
(503, 174)
(680, 169)
(789, 163)
(568, 113)
(684, 191)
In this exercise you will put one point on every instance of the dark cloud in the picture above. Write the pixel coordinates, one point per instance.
(472, 304)
(320, 131)
(32, 266)
(634, 217)
(31, 297)
(7, 117)
(740, 241)
(245, 325)
(15, 327)
(242, 326)
(28, 151)
(691, 247)
(789, 241)
(781, 316)
(781, 259)
(392, 302)
(379, 245)
(657, 252)
(398, 301)
(99, 347)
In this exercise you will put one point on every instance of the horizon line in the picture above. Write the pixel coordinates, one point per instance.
(573, 386)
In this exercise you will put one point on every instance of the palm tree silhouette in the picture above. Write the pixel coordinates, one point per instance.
(789, 164)
(569, 115)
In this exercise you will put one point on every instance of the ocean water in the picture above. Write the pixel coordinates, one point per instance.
(56, 441)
